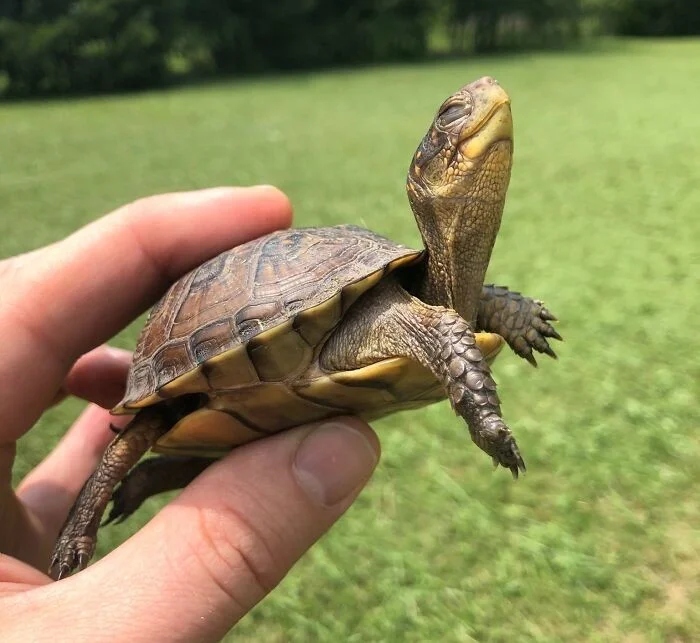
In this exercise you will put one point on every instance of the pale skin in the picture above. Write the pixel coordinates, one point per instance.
(215, 554)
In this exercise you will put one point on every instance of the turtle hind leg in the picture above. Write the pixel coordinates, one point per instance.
(151, 477)
(388, 322)
(525, 323)
(76, 542)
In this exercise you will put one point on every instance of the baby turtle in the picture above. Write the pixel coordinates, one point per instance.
(306, 324)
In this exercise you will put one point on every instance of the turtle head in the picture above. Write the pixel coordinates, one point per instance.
(470, 137)
(457, 185)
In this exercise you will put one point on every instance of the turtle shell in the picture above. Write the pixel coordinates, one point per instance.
(255, 313)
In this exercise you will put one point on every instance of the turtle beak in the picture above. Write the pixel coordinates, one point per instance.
(498, 127)
(490, 120)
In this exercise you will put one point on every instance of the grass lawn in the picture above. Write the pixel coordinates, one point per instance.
(600, 541)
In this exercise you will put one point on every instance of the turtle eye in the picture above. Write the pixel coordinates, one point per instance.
(452, 113)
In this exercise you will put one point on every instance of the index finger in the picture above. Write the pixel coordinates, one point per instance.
(63, 300)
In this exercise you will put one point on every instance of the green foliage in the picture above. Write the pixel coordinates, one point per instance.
(484, 25)
(656, 17)
(78, 46)
(62, 46)
(600, 540)
(90, 45)
(310, 33)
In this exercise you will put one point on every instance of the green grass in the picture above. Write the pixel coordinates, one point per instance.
(600, 541)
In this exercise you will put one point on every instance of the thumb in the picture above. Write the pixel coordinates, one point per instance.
(209, 556)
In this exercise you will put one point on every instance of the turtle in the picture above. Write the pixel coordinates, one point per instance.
(309, 323)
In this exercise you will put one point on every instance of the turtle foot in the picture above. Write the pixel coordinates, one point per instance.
(493, 436)
(509, 457)
(75, 544)
(525, 323)
(72, 551)
(534, 338)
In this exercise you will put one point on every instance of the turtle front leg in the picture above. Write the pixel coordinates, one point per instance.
(522, 321)
(389, 322)
(76, 542)
(452, 354)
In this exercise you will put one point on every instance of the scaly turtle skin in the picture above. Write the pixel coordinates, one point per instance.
(306, 324)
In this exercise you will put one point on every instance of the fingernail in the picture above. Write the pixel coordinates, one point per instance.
(332, 461)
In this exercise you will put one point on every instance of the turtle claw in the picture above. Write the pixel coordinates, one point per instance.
(515, 467)
(83, 560)
(547, 350)
(494, 437)
(512, 460)
(531, 358)
(535, 339)
(546, 315)
(71, 553)
(63, 572)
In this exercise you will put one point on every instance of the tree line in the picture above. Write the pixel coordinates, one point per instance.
(81, 46)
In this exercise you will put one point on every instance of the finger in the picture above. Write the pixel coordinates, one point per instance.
(50, 489)
(98, 377)
(69, 297)
(228, 539)
(16, 576)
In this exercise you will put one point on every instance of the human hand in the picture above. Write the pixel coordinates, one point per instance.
(228, 538)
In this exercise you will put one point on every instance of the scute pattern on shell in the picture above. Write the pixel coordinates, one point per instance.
(245, 291)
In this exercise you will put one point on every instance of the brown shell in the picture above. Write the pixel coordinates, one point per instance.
(255, 313)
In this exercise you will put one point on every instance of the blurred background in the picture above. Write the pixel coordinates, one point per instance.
(85, 46)
(600, 540)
